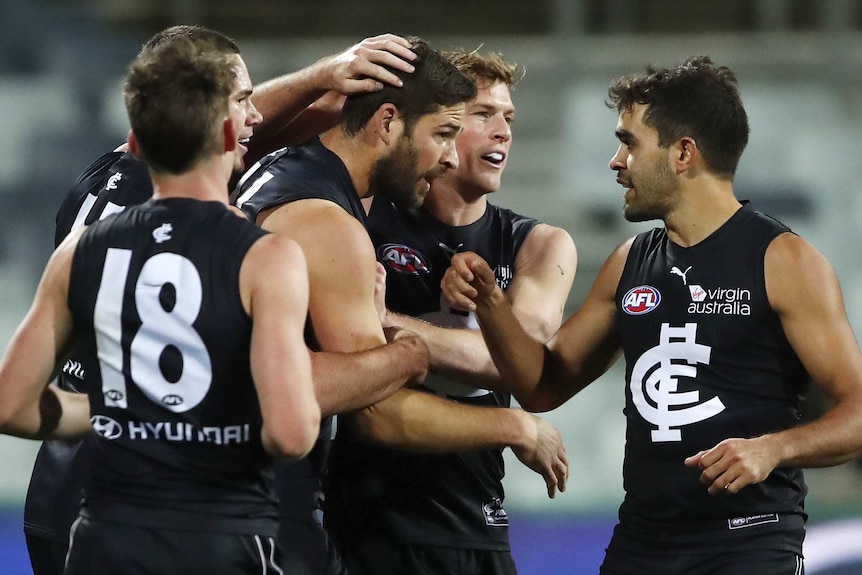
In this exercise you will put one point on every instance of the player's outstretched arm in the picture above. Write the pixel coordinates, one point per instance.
(413, 420)
(542, 376)
(29, 407)
(544, 271)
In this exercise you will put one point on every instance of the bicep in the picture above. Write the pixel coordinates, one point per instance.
(341, 271)
(545, 269)
(805, 293)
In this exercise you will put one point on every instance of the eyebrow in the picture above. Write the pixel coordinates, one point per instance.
(622, 134)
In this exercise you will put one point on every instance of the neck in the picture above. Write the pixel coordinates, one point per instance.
(452, 208)
(207, 181)
(701, 212)
(355, 154)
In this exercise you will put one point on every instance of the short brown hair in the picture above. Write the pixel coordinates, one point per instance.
(434, 83)
(176, 97)
(491, 68)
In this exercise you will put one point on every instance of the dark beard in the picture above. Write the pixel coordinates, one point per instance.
(394, 176)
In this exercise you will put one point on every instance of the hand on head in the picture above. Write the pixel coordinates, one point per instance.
(365, 66)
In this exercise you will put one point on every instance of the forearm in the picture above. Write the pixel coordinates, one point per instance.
(515, 353)
(833, 439)
(351, 381)
(57, 414)
(417, 421)
(280, 101)
(460, 354)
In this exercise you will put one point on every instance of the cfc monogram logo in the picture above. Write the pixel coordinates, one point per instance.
(655, 379)
(163, 233)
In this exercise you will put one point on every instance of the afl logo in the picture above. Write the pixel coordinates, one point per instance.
(640, 300)
(403, 259)
(106, 427)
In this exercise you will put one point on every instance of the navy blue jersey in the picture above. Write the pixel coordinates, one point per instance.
(110, 184)
(706, 359)
(155, 300)
(448, 500)
(307, 171)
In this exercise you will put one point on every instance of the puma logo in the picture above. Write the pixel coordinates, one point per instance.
(677, 272)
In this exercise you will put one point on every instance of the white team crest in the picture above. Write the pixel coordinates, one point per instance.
(654, 382)
(163, 233)
(113, 181)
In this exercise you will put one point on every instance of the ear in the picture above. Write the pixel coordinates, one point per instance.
(685, 154)
(386, 122)
(133, 145)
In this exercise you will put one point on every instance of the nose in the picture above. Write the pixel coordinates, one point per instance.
(617, 162)
(502, 130)
(254, 116)
(450, 156)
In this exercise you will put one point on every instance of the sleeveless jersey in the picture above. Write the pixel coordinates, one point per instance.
(706, 360)
(449, 500)
(154, 295)
(110, 184)
(307, 171)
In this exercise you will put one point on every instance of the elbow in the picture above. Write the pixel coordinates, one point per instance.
(537, 401)
(295, 440)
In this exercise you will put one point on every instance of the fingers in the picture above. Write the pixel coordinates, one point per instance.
(732, 465)
(370, 63)
(456, 284)
(458, 291)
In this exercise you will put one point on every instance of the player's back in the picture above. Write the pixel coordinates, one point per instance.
(154, 293)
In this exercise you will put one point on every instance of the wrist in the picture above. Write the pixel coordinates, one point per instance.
(493, 300)
(524, 427)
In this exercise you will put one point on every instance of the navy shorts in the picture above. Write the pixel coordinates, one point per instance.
(370, 557)
(101, 548)
(307, 549)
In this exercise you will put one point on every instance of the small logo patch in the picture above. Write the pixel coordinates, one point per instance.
(403, 259)
(751, 521)
(640, 300)
(106, 427)
(163, 233)
(495, 515)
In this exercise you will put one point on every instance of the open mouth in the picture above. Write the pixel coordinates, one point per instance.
(495, 158)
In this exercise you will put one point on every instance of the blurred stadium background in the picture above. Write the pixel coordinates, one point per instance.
(799, 64)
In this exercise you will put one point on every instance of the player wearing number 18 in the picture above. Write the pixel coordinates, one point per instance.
(180, 302)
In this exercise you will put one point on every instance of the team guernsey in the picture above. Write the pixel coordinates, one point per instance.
(172, 399)
(108, 186)
(706, 359)
(445, 500)
(307, 171)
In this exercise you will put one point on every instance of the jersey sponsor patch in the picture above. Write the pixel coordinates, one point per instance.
(106, 427)
(751, 521)
(640, 300)
(495, 514)
(404, 259)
